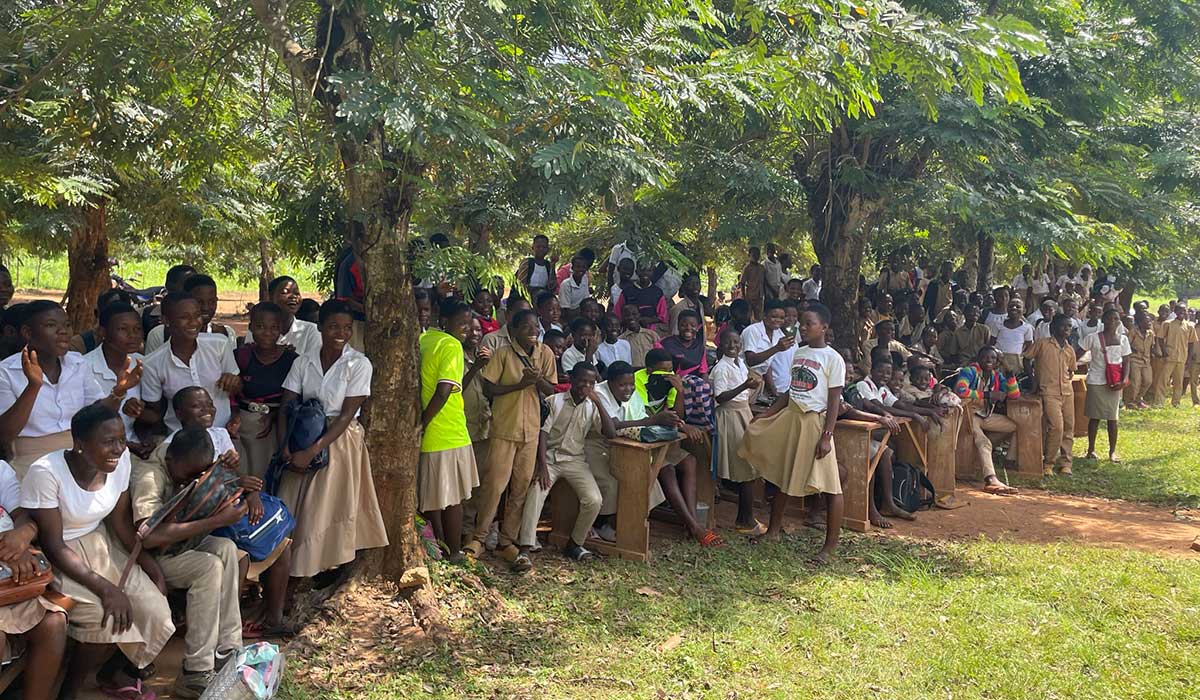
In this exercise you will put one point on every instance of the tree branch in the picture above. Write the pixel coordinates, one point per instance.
(301, 62)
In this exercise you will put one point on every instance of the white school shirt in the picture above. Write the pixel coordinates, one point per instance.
(669, 283)
(50, 484)
(571, 357)
(620, 252)
(107, 379)
(221, 441)
(1041, 284)
(1019, 282)
(567, 426)
(571, 293)
(868, 391)
(349, 376)
(1011, 341)
(756, 339)
(633, 409)
(164, 374)
(1043, 329)
(57, 403)
(994, 320)
(539, 276)
(10, 490)
(610, 353)
(774, 274)
(157, 336)
(303, 336)
(1102, 354)
(729, 374)
(812, 289)
(814, 372)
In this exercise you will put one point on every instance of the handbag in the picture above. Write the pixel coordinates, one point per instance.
(305, 425)
(10, 591)
(1113, 374)
(260, 539)
(658, 433)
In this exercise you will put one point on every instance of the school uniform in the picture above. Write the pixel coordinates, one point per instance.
(303, 336)
(1141, 359)
(910, 331)
(258, 406)
(571, 293)
(512, 449)
(1103, 403)
(50, 484)
(685, 304)
(1011, 343)
(1054, 367)
(965, 342)
(994, 321)
(107, 380)
(157, 337)
(773, 276)
(164, 374)
(971, 384)
(754, 278)
(651, 303)
(933, 353)
(207, 569)
(608, 353)
(446, 469)
(573, 356)
(732, 419)
(894, 346)
(336, 510)
(49, 426)
(596, 448)
(782, 447)
(670, 282)
(640, 343)
(18, 618)
(497, 340)
(1178, 335)
(756, 339)
(1158, 363)
(565, 431)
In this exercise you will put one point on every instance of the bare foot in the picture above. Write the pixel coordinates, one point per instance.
(821, 558)
(895, 512)
(880, 522)
(1092, 456)
(767, 537)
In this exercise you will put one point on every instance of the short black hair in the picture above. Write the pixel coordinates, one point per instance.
(542, 236)
(880, 361)
(191, 445)
(771, 305)
(580, 323)
(452, 307)
(544, 297)
(587, 254)
(115, 309)
(657, 356)
(113, 295)
(333, 307)
(177, 274)
(278, 282)
(820, 310)
(198, 280)
(265, 307)
(88, 420)
(420, 293)
(583, 366)
(173, 299)
(181, 396)
(13, 316)
(36, 308)
(308, 308)
(688, 313)
(739, 305)
(440, 240)
(520, 316)
(553, 334)
(620, 368)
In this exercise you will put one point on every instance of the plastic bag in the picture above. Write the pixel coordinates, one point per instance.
(254, 675)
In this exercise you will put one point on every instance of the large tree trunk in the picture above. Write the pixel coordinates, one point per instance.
(87, 262)
(987, 261)
(266, 268)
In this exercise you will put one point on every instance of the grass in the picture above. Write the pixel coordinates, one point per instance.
(892, 618)
(52, 273)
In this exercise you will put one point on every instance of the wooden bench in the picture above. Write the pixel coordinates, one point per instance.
(1027, 414)
(852, 443)
(1079, 387)
(933, 451)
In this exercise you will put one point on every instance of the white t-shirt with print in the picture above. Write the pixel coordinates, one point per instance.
(814, 372)
(50, 484)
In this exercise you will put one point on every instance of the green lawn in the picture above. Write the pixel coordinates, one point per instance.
(52, 273)
(891, 618)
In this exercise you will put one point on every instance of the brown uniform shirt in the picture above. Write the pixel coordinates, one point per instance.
(475, 404)
(754, 275)
(517, 415)
(1054, 366)
(1141, 346)
(640, 343)
(1178, 335)
(965, 341)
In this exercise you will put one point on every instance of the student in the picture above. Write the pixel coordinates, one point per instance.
(493, 341)
(515, 379)
(626, 270)
(1013, 337)
(1107, 377)
(754, 284)
(885, 337)
(549, 312)
(791, 444)
(732, 386)
(661, 390)
(263, 365)
(812, 285)
(763, 340)
(1043, 314)
(690, 300)
(557, 342)
(984, 382)
(574, 288)
(773, 274)
(537, 272)
(928, 347)
(335, 508)
(738, 319)
(203, 289)
(572, 415)
(482, 309)
(89, 340)
(424, 305)
(120, 338)
(41, 623)
(619, 253)
(999, 312)
(641, 340)
(310, 310)
(588, 256)
(1050, 364)
(912, 325)
(44, 385)
(1092, 325)
(1142, 346)
(191, 558)
(478, 411)
(962, 344)
(297, 332)
(446, 472)
(794, 289)
(189, 358)
(667, 278)
(885, 308)
(613, 348)
(687, 347)
(940, 291)
(591, 310)
(584, 344)
(70, 494)
(1177, 345)
(649, 299)
(11, 341)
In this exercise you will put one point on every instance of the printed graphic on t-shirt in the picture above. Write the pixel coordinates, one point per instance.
(803, 376)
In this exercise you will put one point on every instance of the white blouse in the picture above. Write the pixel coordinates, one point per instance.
(50, 484)
(348, 377)
(164, 374)
(57, 403)
(107, 379)
(727, 375)
(1101, 355)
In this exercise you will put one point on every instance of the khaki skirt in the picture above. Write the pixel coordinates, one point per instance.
(336, 510)
(783, 448)
(1012, 364)
(595, 451)
(445, 478)
(256, 452)
(732, 417)
(27, 450)
(19, 618)
(1101, 403)
(152, 627)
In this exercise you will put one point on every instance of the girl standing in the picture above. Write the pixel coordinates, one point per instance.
(303, 336)
(1107, 377)
(336, 510)
(733, 385)
(687, 345)
(263, 364)
(791, 444)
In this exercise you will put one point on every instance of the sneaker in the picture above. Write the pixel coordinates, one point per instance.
(578, 553)
(191, 684)
(1066, 471)
(536, 546)
(1047, 471)
(493, 537)
(608, 533)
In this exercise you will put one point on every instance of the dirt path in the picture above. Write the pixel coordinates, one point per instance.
(231, 309)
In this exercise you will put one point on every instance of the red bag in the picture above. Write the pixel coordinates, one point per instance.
(1113, 374)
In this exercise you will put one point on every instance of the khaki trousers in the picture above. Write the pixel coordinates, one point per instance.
(1058, 412)
(1141, 382)
(471, 505)
(1172, 376)
(994, 423)
(211, 577)
(576, 473)
(509, 465)
(1158, 370)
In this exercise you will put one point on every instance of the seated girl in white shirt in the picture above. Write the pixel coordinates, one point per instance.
(79, 499)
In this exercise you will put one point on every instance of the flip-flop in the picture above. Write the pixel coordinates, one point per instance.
(1000, 490)
(129, 692)
(710, 539)
(258, 630)
(757, 531)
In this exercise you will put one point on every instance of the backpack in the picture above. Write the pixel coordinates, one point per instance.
(306, 425)
(909, 486)
(261, 539)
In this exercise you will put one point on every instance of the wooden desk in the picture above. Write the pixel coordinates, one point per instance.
(1079, 387)
(635, 465)
(933, 451)
(852, 443)
(1027, 414)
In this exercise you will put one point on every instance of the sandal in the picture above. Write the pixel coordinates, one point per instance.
(260, 630)
(521, 563)
(711, 539)
(1000, 490)
(128, 692)
(757, 531)
(1114, 458)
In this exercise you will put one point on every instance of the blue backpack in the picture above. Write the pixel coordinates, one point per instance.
(261, 539)
(306, 425)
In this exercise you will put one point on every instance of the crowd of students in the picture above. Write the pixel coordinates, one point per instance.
(518, 391)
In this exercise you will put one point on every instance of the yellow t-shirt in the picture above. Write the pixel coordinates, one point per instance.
(442, 361)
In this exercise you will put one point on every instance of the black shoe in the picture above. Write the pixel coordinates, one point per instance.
(577, 553)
